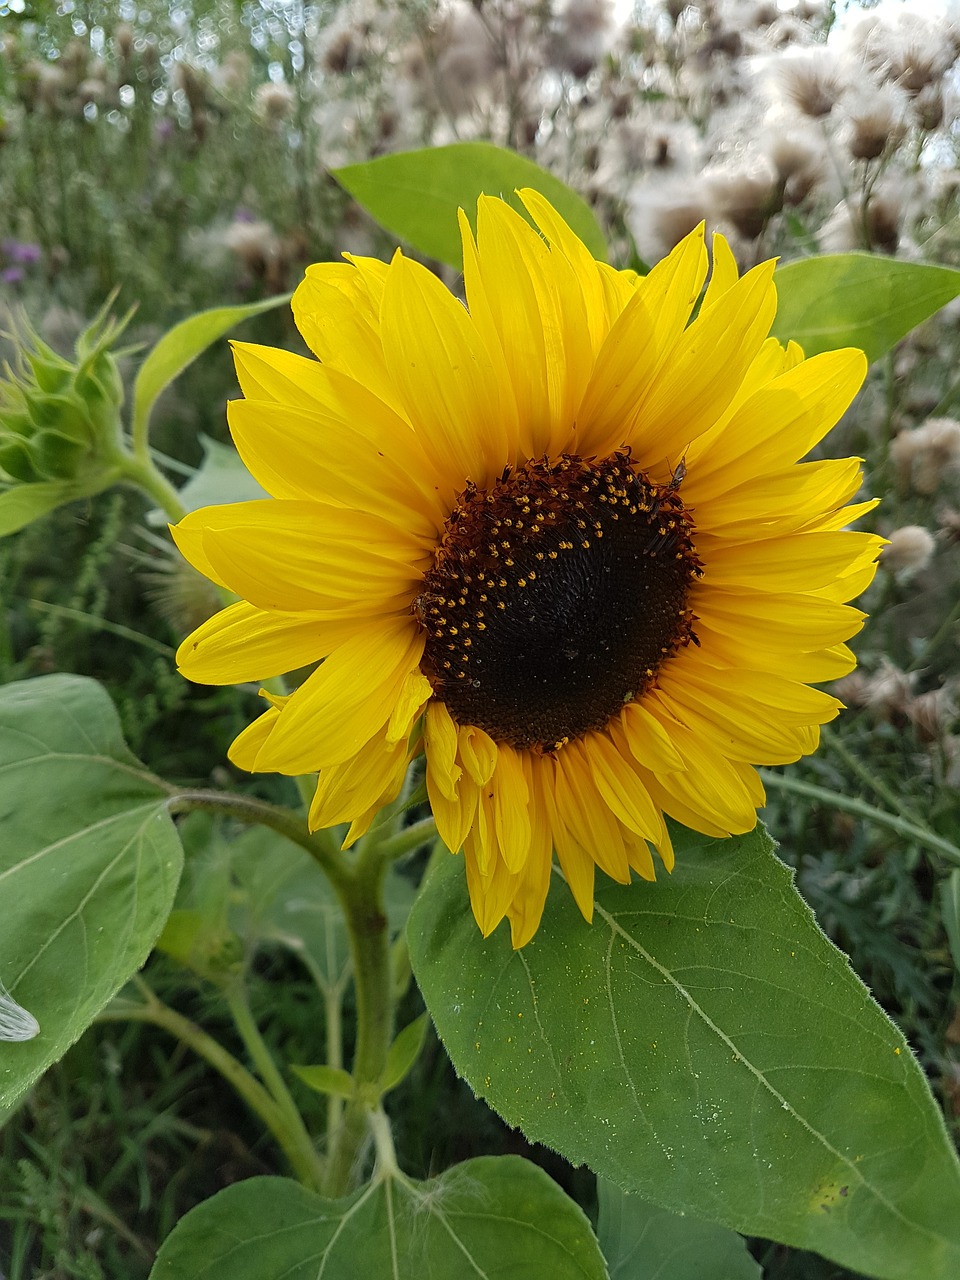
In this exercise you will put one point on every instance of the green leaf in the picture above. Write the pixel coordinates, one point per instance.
(495, 1218)
(404, 1052)
(89, 862)
(221, 477)
(704, 1045)
(206, 946)
(24, 503)
(950, 909)
(416, 194)
(857, 300)
(181, 345)
(640, 1240)
(326, 1079)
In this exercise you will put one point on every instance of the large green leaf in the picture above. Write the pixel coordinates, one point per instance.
(704, 1045)
(640, 1241)
(181, 345)
(416, 194)
(858, 300)
(21, 504)
(89, 862)
(496, 1217)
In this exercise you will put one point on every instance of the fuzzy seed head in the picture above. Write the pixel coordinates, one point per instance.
(928, 455)
(909, 549)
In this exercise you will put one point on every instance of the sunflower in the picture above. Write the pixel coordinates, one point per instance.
(559, 540)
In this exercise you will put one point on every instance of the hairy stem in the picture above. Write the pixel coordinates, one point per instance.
(236, 996)
(408, 839)
(319, 844)
(141, 472)
(362, 899)
(863, 809)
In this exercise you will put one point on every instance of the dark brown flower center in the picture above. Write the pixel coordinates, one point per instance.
(555, 597)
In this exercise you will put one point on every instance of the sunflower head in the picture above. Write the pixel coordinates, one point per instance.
(560, 540)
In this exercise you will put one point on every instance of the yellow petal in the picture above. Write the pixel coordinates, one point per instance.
(343, 704)
(706, 368)
(801, 563)
(511, 813)
(317, 455)
(538, 310)
(340, 324)
(526, 906)
(723, 271)
(577, 865)
(646, 739)
(414, 694)
(585, 268)
(777, 425)
(490, 895)
(478, 753)
(246, 746)
(586, 815)
(619, 787)
(300, 557)
(440, 740)
(244, 643)
(779, 502)
(361, 785)
(455, 817)
(443, 373)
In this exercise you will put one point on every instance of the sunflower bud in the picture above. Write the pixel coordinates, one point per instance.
(60, 418)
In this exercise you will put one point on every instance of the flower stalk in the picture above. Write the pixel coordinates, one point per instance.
(290, 1136)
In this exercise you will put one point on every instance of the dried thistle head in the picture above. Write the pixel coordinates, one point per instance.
(875, 117)
(909, 549)
(889, 692)
(582, 35)
(274, 102)
(929, 108)
(932, 714)
(915, 52)
(799, 158)
(811, 79)
(255, 243)
(928, 455)
(746, 195)
(661, 212)
(856, 223)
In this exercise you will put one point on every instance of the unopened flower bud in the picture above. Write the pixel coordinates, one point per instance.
(59, 418)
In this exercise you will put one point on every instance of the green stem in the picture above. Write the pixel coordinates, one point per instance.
(318, 844)
(862, 809)
(361, 895)
(236, 997)
(941, 634)
(333, 1009)
(379, 1125)
(303, 1159)
(141, 471)
(833, 742)
(408, 839)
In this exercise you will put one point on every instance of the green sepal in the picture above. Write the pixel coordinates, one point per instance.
(329, 1080)
(404, 1052)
